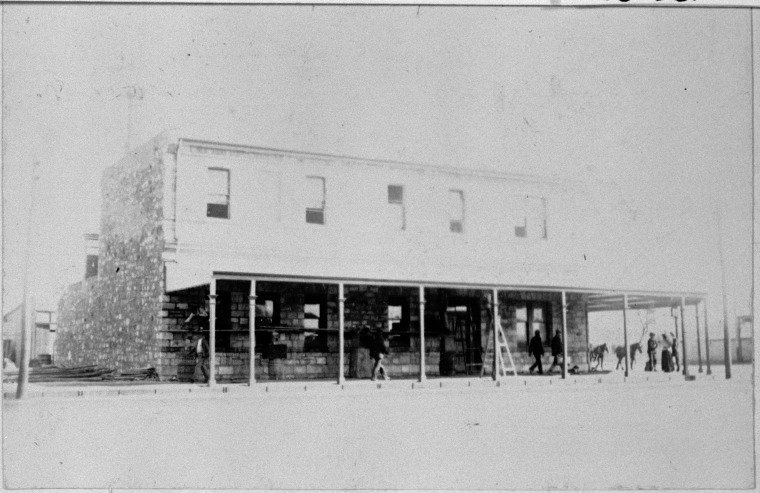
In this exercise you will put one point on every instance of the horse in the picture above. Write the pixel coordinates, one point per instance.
(597, 354)
(620, 353)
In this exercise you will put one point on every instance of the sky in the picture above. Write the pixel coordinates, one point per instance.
(650, 107)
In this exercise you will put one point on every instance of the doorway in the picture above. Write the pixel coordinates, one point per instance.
(462, 341)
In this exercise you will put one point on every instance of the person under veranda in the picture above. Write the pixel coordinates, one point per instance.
(379, 349)
(652, 352)
(556, 350)
(536, 349)
(200, 349)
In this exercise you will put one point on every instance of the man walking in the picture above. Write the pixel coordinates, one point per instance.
(536, 348)
(556, 350)
(201, 352)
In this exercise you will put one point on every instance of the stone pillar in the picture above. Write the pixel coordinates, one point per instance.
(252, 333)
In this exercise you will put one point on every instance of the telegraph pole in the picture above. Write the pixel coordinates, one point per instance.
(27, 315)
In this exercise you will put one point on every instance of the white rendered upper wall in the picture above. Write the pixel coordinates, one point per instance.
(508, 229)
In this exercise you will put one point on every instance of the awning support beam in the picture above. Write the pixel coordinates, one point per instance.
(252, 334)
(564, 334)
(699, 341)
(212, 334)
(423, 377)
(684, 360)
(341, 334)
(625, 331)
(496, 347)
(707, 339)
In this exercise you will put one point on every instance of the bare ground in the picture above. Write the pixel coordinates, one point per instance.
(564, 435)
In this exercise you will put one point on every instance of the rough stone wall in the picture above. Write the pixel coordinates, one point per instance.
(112, 320)
(366, 306)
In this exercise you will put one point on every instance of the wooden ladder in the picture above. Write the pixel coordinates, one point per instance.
(488, 354)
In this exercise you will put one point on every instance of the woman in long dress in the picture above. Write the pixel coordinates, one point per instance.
(667, 362)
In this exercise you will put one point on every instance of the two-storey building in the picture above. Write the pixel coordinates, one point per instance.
(297, 256)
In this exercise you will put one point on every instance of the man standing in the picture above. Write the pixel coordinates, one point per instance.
(201, 352)
(378, 350)
(200, 348)
(556, 350)
(652, 352)
(536, 348)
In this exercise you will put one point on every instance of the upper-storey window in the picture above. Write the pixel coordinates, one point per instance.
(531, 220)
(395, 194)
(218, 199)
(456, 211)
(396, 198)
(315, 199)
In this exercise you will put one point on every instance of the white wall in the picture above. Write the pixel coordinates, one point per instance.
(362, 235)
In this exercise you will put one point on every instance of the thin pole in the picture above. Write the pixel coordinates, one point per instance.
(625, 330)
(26, 316)
(564, 335)
(674, 314)
(739, 357)
(588, 354)
(726, 339)
(422, 334)
(252, 333)
(341, 334)
(684, 359)
(699, 344)
(752, 95)
(707, 339)
(496, 321)
(212, 334)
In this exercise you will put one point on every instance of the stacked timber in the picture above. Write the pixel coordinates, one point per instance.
(54, 373)
(132, 375)
(61, 374)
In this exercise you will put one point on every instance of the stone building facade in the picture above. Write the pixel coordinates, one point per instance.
(112, 319)
(156, 247)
